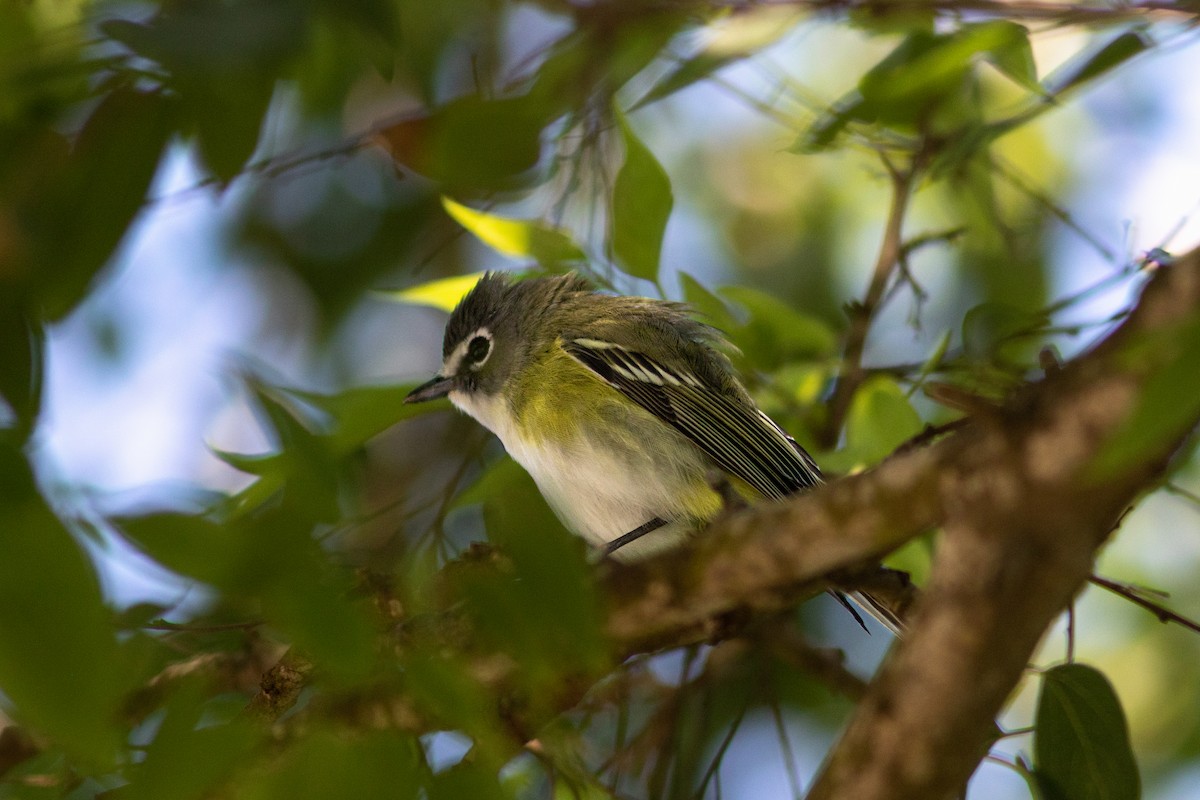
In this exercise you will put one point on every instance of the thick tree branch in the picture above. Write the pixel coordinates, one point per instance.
(1022, 520)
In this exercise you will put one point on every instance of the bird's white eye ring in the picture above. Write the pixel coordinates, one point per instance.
(478, 350)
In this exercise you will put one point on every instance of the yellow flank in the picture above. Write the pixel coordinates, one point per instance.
(580, 413)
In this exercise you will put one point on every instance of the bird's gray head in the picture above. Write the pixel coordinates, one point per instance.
(493, 331)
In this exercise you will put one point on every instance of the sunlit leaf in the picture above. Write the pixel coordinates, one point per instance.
(642, 201)
(443, 293)
(551, 247)
(1081, 741)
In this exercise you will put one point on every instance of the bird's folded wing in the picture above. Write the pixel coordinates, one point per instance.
(742, 440)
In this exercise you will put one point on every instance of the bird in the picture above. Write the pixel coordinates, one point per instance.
(620, 408)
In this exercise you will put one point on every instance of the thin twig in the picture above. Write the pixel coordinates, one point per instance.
(1131, 594)
(187, 627)
(863, 314)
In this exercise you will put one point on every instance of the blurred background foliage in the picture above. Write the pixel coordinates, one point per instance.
(206, 209)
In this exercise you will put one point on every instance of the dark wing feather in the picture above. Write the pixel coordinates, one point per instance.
(741, 439)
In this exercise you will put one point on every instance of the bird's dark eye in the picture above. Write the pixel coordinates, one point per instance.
(478, 349)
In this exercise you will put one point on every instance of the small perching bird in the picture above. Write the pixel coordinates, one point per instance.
(620, 408)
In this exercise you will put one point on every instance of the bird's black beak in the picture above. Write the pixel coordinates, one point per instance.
(437, 386)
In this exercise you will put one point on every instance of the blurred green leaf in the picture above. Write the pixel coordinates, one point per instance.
(330, 764)
(83, 211)
(445, 293)
(362, 412)
(472, 144)
(272, 558)
(190, 755)
(445, 690)
(467, 779)
(194, 546)
(641, 205)
(922, 80)
(589, 65)
(511, 610)
(1092, 64)
(988, 327)
(824, 131)
(427, 31)
(21, 369)
(777, 333)
(711, 309)
(1013, 55)
(924, 68)
(307, 468)
(551, 247)
(222, 61)
(732, 39)
(1081, 741)
(1169, 402)
(59, 663)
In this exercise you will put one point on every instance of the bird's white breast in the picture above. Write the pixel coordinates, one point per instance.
(598, 491)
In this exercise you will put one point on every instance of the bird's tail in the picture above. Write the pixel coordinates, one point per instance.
(887, 616)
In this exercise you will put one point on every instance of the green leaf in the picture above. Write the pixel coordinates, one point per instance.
(549, 639)
(189, 755)
(193, 546)
(325, 764)
(1091, 65)
(21, 369)
(822, 133)
(1013, 54)
(777, 333)
(466, 779)
(987, 327)
(708, 306)
(1169, 404)
(361, 413)
(642, 201)
(880, 419)
(445, 293)
(473, 144)
(58, 651)
(1081, 741)
(92, 203)
(925, 69)
(732, 39)
(551, 247)
(222, 61)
